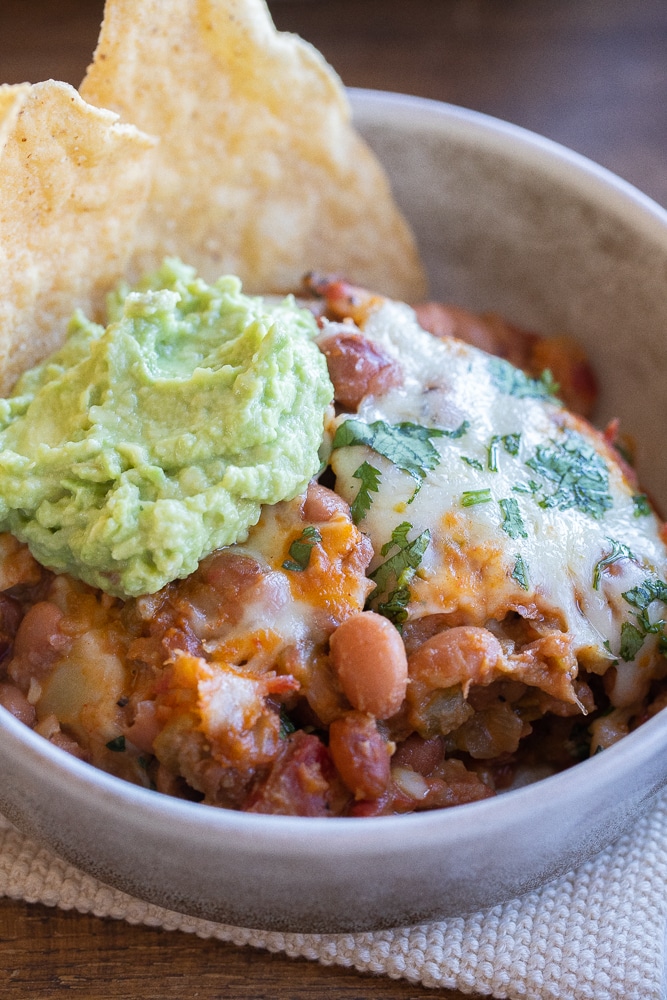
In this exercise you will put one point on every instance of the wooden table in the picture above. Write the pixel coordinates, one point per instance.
(589, 73)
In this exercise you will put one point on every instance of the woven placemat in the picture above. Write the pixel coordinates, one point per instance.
(595, 934)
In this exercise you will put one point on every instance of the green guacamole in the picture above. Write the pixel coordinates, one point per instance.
(135, 450)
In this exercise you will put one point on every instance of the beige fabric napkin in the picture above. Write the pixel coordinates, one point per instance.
(596, 934)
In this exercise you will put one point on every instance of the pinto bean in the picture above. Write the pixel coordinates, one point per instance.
(321, 504)
(68, 743)
(10, 619)
(16, 702)
(357, 367)
(419, 754)
(298, 783)
(228, 572)
(487, 331)
(38, 644)
(369, 658)
(441, 673)
(463, 655)
(416, 632)
(228, 578)
(568, 363)
(360, 755)
(453, 321)
(145, 726)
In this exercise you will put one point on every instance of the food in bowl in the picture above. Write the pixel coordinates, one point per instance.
(471, 589)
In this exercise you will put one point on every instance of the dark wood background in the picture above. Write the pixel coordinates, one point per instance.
(591, 74)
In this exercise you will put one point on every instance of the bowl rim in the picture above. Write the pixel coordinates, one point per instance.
(550, 156)
(344, 834)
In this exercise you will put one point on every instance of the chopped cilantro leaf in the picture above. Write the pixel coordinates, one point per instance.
(578, 473)
(370, 483)
(645, 593)
(512, 521)
(511, 443)
(513, 382)
(656, 627)
(458, 432)
(399, 537)
(641, 597)
(618, 551)
(641, 505)
(393, 576)
(286, 724)
(407, 445)
(474, 463)
(549, 383)
(117, 745)
(469, 498)
(301, 549)
(530, 487)
(520, 573)
(395, 607)
(415, 491)
(632, 640)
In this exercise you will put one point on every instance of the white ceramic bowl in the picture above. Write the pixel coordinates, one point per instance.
(507, 221)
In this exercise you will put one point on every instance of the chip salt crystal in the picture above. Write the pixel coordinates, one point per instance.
(73, 181)
(259, 171)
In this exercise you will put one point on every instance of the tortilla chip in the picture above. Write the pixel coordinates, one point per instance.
(259, 171)
(72, 185)
(11, 99)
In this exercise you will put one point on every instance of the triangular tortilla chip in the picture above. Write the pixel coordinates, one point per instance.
(259, 171)
(72, 184)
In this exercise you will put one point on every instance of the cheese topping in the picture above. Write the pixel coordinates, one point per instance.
(501, 534)
(526, 507)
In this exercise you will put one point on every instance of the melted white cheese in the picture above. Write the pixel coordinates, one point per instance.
(473, 566)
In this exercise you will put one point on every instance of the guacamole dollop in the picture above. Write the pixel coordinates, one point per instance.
(140, 447)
